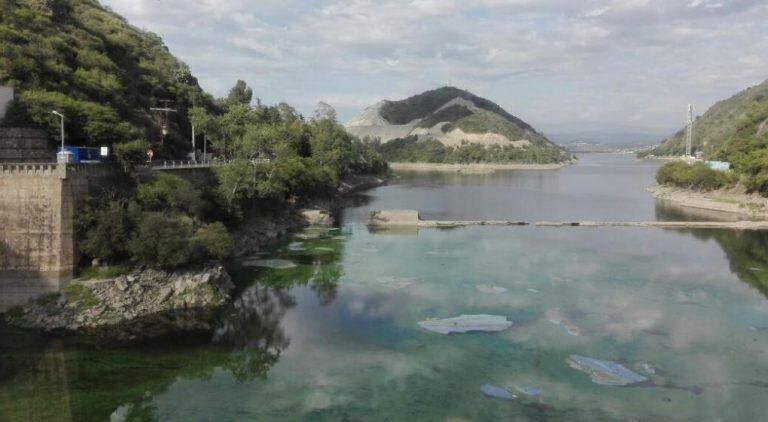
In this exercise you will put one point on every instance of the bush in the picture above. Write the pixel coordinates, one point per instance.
(169, 193)
(103, 229)
(131, 154)
(697, 176)
(214, 241)
(161, 240)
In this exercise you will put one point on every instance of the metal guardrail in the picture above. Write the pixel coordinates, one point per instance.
(184, 164)
(192, 164)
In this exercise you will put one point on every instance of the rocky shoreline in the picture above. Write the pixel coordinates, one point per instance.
(144, 304)
(725, 203)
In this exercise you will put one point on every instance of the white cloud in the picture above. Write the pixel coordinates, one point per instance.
(560, 64)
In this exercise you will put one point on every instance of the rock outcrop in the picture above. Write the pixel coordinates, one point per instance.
(142, 304)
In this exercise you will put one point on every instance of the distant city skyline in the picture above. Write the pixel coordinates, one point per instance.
(599, 66)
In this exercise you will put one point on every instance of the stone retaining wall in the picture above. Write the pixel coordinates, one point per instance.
(25, 145)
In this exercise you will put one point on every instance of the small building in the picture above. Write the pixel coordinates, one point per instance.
(719, 165)
(6, 96)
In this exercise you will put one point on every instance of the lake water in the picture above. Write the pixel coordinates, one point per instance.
(337, 336)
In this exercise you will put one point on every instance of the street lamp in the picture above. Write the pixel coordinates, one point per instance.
(64, 156)
(61, 116)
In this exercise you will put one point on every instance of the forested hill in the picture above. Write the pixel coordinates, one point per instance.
(79, 57)
(725, 125)
(452, 125)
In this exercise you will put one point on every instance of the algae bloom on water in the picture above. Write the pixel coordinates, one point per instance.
(466, 324)
(605, 372)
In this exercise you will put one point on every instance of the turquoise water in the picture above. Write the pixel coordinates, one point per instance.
(336, 337)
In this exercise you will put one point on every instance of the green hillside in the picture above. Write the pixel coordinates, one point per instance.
(719, 124)
(734, 130)
(78, 57)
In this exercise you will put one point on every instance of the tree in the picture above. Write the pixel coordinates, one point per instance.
(162, 240)
(103, 230)
(240, 94)
(324, 111)
(213, 240)
(170, 193)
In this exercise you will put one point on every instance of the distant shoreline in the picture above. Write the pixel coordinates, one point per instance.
(478, 168)
(725, 202)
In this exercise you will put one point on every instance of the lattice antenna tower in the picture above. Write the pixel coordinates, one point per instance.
(689, 133)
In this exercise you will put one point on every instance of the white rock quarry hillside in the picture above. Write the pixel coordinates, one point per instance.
(449, 115)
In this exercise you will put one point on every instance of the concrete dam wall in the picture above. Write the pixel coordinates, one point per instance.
(38, 203)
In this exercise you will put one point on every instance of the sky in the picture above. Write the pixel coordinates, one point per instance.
(571, 68)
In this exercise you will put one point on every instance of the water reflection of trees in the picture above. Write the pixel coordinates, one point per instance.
(252, 329)
(746, 250)
(87, 381)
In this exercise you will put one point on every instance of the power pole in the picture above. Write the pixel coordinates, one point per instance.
(689, 133)
(164, 120)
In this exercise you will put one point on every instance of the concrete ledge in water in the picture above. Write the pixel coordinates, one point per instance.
(410, 218)
(394, 218)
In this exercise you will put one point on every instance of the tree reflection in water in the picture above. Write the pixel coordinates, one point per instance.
(746, 250)
(78, 379)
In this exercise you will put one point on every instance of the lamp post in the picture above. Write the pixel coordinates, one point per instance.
(61, 116)
(64, 156)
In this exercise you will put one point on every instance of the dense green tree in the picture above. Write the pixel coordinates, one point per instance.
(170, 193)
(240, 94)
(213, 240)
(163, 240)
(696, 176)
(104, 228)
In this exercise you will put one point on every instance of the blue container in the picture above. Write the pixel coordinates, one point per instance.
(83, 155)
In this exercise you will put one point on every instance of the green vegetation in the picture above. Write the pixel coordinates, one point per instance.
(82, 59)
(484, 121)
(718, 125)
(103, 272)
(734, 130)
(697, 176)
(274, 157)
(81, 295)
(424, 104)
(747, 149)
(412, 149)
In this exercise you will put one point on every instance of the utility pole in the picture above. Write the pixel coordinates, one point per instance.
(164, 121)
(689, 133)
(194, 150)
